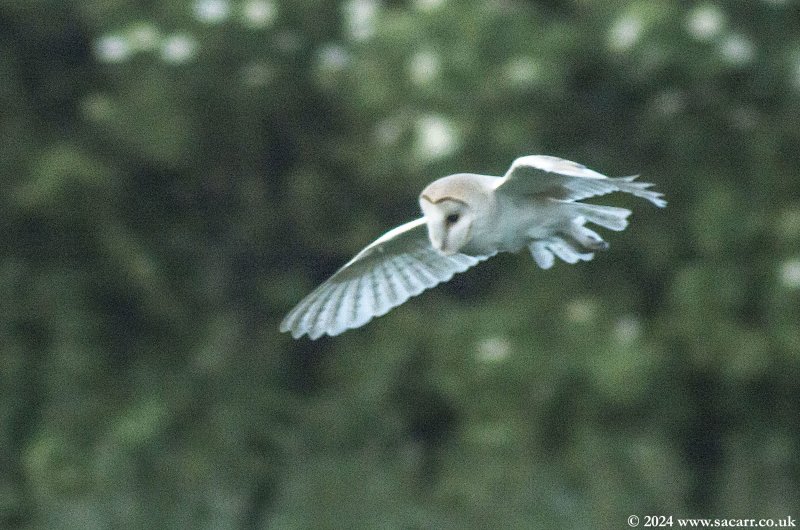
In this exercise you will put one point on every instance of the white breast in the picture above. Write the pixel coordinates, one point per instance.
(515, 222)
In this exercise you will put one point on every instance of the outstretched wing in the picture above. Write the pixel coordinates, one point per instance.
(561, 179)
(400, 264)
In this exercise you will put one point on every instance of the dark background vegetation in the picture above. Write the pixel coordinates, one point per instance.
(176, 175)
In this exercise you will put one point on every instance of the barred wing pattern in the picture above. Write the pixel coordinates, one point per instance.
(561, 179)
(400, 264)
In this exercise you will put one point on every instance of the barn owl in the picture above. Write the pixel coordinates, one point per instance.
(467, 218)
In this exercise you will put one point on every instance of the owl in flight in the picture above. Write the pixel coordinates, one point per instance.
(468, 218)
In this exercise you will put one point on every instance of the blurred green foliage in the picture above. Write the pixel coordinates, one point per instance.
(177, 175)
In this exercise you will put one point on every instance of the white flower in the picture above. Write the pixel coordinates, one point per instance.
(113, 48)
(423, 67)
(790, 273)
(259, 13)
(211, 11)
(437, 137)
(178, 48)
(333, 57)
(738, 49)
(523, 71)
(492, 349)
(705, 22)
(360, 18)
(625, 33)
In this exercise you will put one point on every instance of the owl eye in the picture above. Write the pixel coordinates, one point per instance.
(451, 219)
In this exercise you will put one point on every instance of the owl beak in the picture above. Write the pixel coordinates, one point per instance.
(439, 242)
(443, 247)
(446, 251)
(438, 245)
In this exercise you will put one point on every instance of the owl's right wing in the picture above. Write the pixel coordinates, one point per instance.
(398, 265)
(561, 179)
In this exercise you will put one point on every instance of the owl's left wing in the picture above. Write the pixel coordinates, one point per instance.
(398, 265)
(561, 179)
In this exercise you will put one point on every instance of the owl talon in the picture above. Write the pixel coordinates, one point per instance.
(599, 245)
(589, 239)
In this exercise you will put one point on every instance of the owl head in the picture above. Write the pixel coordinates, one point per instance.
(451, 206)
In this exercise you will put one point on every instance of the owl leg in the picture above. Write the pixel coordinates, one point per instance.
(542, 255)
(544, 251)
(587, 238)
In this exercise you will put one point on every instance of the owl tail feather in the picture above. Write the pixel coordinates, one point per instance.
(639, 189)
(606, 216)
